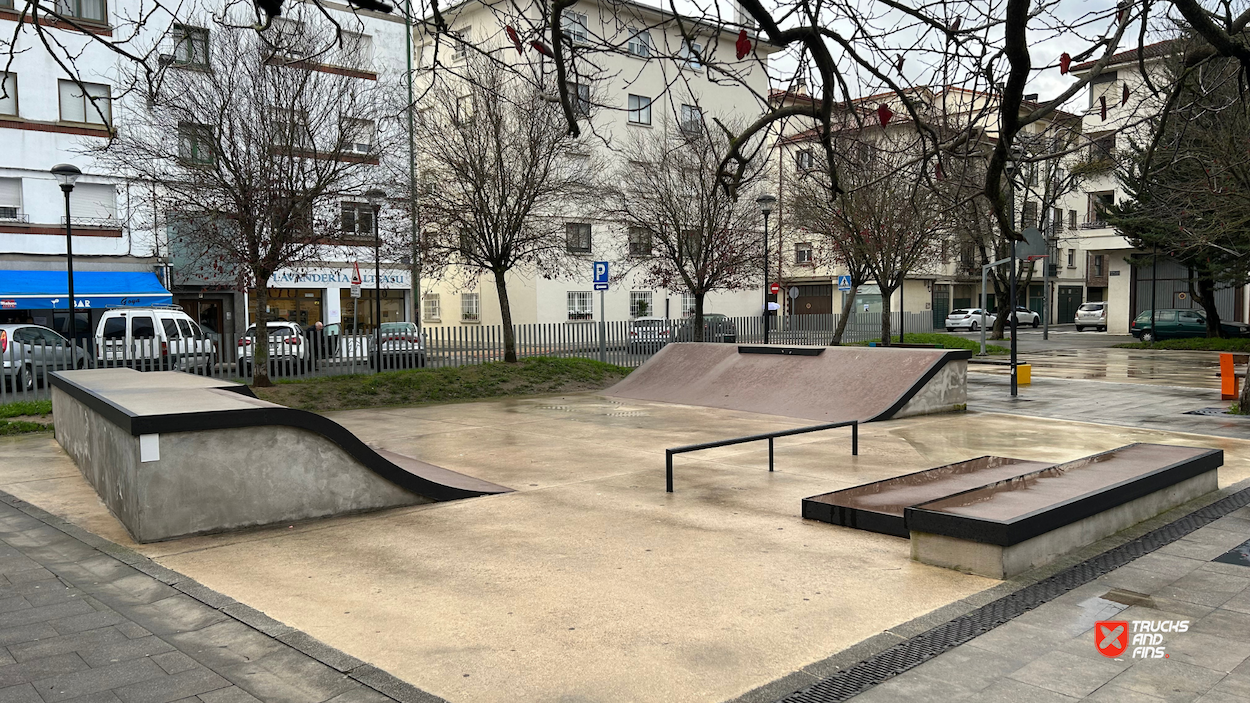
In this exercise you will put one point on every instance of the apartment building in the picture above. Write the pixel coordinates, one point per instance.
(124, 253)
(639, 88)
(953, 279)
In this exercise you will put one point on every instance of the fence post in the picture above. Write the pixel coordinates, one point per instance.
(770, 454)
(855, 438)
(668, 462)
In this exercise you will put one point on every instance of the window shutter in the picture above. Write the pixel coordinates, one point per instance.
(11, 192)
(94, 200)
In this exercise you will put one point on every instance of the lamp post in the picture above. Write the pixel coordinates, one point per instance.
(375, 197)
(1011, 309)
(67, 175)
(766, 203)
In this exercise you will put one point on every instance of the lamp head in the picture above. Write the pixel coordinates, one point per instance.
(766, 203)
(66, 174)
(375, 196)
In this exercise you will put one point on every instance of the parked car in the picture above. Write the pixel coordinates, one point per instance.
(1174, 324)
(649, 334)
(163, 337)
(1091, 315)
(288, 350)
(716, 328)
(968, 319)
(1025, 316)
(402, 347)
(30, 352)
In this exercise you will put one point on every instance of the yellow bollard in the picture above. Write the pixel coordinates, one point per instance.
(1024, 374)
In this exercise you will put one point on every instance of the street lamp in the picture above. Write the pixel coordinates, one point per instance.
(766, 203)
(1011, 310)
(375, 198)
(67, 175)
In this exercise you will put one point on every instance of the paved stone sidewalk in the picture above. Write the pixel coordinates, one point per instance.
(82, 619)
(1048, 655)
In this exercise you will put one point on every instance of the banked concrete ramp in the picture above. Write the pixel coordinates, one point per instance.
(172, 454)
(825, 384)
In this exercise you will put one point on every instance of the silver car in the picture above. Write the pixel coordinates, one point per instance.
(1092, 315)
(968, 319)
(31, 352)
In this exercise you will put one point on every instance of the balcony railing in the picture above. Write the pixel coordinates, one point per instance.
(97, 222)
(12, 215)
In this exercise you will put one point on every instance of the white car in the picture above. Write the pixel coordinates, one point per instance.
(288, 350)
(649, 334)
(1091, 315)
(1025, 316)
(159, 337)
(968, 319)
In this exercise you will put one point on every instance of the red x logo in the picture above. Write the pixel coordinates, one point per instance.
(1111, 637)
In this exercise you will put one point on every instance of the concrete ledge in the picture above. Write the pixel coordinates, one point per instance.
(1002, 562)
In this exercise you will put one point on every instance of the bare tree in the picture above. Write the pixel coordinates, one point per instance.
(252, 153)
(685, 232)
(505, 174)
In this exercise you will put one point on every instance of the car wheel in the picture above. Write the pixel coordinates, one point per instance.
(973, 328)
(25, 379)
(950, 329)
(1036, 321)
(1080, 329)
(1148, 336)
(82, 364)
(1102, 329)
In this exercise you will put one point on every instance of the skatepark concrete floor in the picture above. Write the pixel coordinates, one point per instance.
(590, 582)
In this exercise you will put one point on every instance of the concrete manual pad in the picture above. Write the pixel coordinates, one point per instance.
(594, 584)
(879, 506)
(825, 384)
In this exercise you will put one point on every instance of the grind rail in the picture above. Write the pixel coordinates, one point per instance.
(770, 436)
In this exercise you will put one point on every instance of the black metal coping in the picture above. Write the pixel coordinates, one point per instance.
(259, 417)
(788, 351)
(1051, 517)
(892, 661)
(825, 508)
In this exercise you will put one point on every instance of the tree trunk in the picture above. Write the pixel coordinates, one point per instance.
(848, 306)
(1002, 300)
(260, 343)
(505, 311)
(698, 317)
(1206, 297)
(886, 330)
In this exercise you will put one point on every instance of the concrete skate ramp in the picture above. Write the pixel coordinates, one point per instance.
(173, 454)
(826, 384)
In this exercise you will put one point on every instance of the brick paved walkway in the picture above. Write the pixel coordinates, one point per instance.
(82, 619)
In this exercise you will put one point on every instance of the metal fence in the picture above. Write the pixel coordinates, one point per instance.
(27, 366)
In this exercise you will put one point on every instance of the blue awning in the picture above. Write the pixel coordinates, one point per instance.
(43, 290)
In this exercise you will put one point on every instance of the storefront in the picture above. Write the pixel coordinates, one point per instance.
(307, 296)
(40, 297)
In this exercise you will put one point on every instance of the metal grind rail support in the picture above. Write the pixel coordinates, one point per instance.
(770, 436)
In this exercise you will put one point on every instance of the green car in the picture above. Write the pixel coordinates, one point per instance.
(1174, 324)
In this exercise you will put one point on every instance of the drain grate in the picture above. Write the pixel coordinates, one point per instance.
(919, 649)
(628, 413)
(1213, 412)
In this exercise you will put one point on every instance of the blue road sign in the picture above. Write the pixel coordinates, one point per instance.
(601, 275)
(601, 286)
(844, 283)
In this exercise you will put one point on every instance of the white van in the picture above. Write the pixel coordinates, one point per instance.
(162, 337)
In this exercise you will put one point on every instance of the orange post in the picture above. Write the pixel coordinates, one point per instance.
(1228, 378)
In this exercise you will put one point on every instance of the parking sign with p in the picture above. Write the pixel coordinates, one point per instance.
(601, 275)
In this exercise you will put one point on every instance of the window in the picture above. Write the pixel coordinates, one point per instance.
(355, 50)
(171, 328)
(639, 109)
(357, 136)
(639, 241)
(94, 10)
(288, 38)
(687, 304)
(94, 203)
(1098, 266)
(464, 108)
(430, 308)
(640, 43)
(580, 94)
(190, 46)
(803, 254)
(114, 328)
(581, 305)
(692, 53)
(574, 26)
(1102, 85)
(10, 198)
(470, 307)
(691, 119)
(460, 39)
(1098, 205)
(804, 160)
(195, 144)
(1102, 147)
(141, 327)
(94, 106)
(356, 220)
(8, 93)
(577, 237)
(1072, 258)
(691, 243)
(640, 303)
(6, 4)
(290, 128)
(1058, 220)
(1071, 219)
(1028, 214)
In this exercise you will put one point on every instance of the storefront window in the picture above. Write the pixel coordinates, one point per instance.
(299, 305)
(362, 313)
